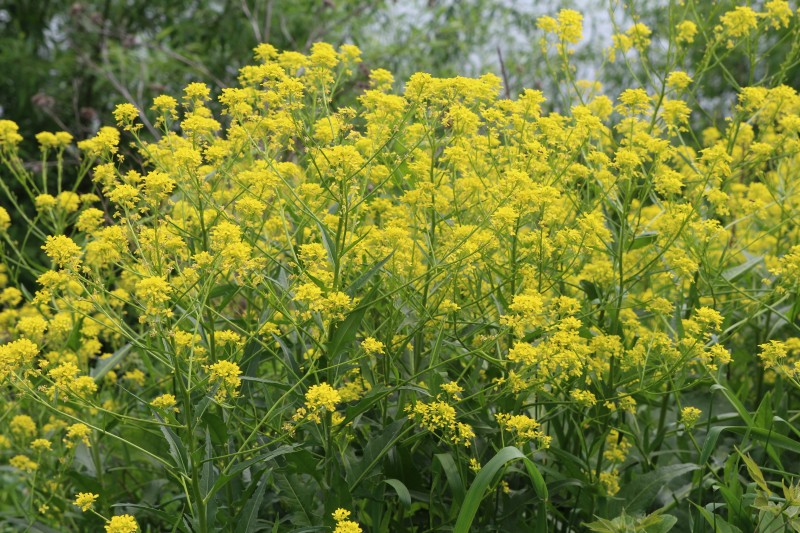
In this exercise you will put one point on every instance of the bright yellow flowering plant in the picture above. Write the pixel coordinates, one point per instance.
(303, 315)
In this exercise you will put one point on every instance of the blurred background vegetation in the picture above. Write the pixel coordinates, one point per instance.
(67, 63)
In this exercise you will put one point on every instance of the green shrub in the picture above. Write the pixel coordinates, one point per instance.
(433, 309)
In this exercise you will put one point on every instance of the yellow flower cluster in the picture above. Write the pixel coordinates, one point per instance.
(690, 416)
(441, 416)
(85, 500)
(524, 428)
(63, 251)
(122, 524)
(343, 525)
(536, 274)
(226, 375)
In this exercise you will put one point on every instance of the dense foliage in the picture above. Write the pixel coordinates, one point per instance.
(432, 309)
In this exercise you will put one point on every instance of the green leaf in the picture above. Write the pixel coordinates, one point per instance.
(766, 437)
(652, 523)
(645, 238)
(710, 444)
(105, 365)
(734, 401)
(453, 478)
(249, 516)
(289, 359)
(755, 472)
(764, 419)
(641, 492)
(374, 452)
(401, 490)
(226, 477)
(216, 425)
(659, 524)
(485, 476)
(734, 273)
(24, 525)
(328, 243)
(590, 289)
(373, 397)
(229, 290)
(719, 524)
(366, 276)
(208, 474)
(176, 448)
(299, 495)
(345, 333)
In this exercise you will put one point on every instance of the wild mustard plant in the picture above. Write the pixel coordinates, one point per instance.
(298, 313)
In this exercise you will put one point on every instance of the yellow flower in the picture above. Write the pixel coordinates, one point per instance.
(166, 105)
(158, 185)
(265, 52)
(89, 220)
(547, 24)
(63, 251)
(196, 92)
(23, 463)
(633, 101)
(322, 396)
(41, 445)
(63, 139)
(453, 389)
(9, 138)
(667, 181)
(570, 25)
(323, 55)
(227, 375)
(5, 220)
(68, 201)
(46, 140)
(85, 500)
(154, 292)
(343, 525)
(441, 416)
(10, 296)
(341, 514)
(165, 401)
(739, 22)
(124, 195)
(77, 433)
(15, 353)
(381, 79)
(350, 53)
(125, 114)
(103, 144)
(227, 337)
(523, 427)
(45, 202)
(122, 524)
(678, 80)
(372, 346)
(610, 482)
(347, 526)
(135, 376)
(23, 426)
(686, 32)
(583, 398)
(639, 35)
(675, 114)
(690, 416)
(616, 447)
(779, 13)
